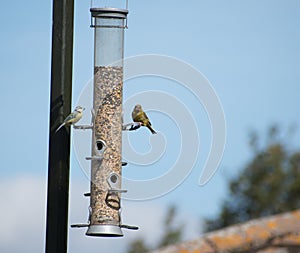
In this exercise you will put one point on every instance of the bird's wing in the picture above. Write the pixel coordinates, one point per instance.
(146, 117)
(70, 117)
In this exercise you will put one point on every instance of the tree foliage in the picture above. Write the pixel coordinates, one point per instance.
(171, 235)
(138, 246)
(268, 184)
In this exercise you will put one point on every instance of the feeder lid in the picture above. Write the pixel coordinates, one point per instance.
(109, 12)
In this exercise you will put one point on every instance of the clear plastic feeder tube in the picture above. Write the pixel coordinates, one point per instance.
(106, 163)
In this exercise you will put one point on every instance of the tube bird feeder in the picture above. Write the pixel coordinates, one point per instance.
(106, 159)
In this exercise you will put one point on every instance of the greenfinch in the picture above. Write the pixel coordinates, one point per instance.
(139, 116)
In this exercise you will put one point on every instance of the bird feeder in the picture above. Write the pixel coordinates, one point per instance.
(107, 124)
(106, 159)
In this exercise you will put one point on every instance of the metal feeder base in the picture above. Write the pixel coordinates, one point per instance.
(104, 230)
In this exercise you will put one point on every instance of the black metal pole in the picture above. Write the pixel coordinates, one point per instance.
(59, 143)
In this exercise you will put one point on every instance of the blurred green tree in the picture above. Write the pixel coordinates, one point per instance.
(138, 246)
(268, 184)
(172, 234)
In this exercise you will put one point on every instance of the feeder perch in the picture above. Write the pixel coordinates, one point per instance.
(131, 126)
(84, 127)
(99, 149)
(114, 182)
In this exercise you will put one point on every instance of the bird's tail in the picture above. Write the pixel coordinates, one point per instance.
(60, 127)
(151, 129)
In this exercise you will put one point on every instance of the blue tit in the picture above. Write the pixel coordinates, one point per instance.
(72, 118)
(139, 116)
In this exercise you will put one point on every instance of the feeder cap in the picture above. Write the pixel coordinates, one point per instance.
(109, 13)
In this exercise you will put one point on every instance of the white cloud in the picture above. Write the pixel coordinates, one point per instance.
(23, 212)
(22, 215)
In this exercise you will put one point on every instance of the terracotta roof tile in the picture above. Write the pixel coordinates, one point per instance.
(270, 234)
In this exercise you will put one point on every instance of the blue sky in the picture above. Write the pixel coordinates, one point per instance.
(248, 50)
